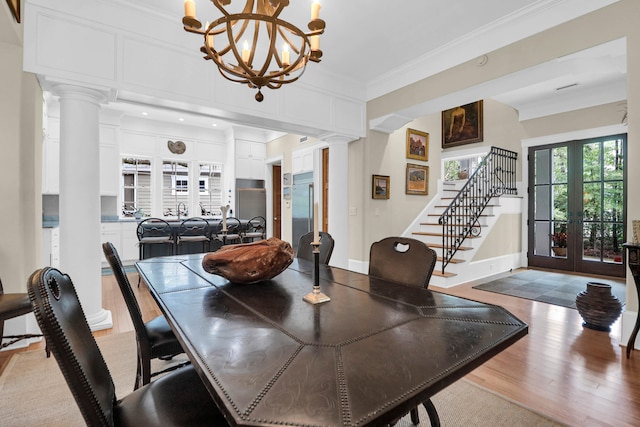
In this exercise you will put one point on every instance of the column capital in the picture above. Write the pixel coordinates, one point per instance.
(79, 93)
(339, 139)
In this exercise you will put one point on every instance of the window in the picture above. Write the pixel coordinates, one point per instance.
(210, 189)
(175, 189)
(136, 187)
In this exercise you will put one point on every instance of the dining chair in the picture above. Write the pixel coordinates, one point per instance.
(154, 231)
(305, 250)
(155, 339)
(177, 399)
(14, 305)
(256, 228)
(193, 230)
(410, 262)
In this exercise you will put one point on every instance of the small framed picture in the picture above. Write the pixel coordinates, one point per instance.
(417, 145)
(417, 179)
(286, 179)
(14, 6)
(286, 193)
(380, 187)
(462, 125)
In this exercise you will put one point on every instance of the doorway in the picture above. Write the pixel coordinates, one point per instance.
(276, 197)
(577, 206)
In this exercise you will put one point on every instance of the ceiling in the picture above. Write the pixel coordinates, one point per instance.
(387, 47)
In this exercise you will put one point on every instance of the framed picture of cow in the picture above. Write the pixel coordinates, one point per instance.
(417, 145)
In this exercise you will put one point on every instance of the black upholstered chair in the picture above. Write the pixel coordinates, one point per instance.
(305, 250)
(14, 305)
(176, 399)
(193, 230)
(152, 232)
(154, 339)
(256, 228)
(410, 262)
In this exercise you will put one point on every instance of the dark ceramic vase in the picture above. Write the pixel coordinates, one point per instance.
(598, 307)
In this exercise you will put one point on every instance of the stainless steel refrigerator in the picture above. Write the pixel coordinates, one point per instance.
(251, 199)
(302, 206)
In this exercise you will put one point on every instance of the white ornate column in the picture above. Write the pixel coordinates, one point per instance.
(339, 198)
(79, 205)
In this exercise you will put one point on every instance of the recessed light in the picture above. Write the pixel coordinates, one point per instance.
(144, 113)
(181, 119)
(214, 125)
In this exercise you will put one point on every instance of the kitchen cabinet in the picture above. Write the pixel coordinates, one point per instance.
(123, 236)
(250, 158)
(51, 247)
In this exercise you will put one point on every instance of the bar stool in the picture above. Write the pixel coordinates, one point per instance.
(154, 231)
(193, 230)
(256, 228)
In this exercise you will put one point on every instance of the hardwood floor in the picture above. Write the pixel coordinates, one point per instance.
(577, 376)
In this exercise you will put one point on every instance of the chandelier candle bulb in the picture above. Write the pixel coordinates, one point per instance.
(315, 9)
(285, 55)
(315, 42)
(189, 8)
(245, 52)
(209, 37)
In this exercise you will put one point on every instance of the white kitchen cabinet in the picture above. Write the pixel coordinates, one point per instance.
(123, 236)
(250, 158)
(302, 161)
(51, 247)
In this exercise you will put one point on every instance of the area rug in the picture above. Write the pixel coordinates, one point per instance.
(33, 393)
(550, 287)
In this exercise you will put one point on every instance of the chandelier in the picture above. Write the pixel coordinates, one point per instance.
(254, 46)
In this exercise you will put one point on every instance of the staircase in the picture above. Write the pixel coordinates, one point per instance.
(456, 222)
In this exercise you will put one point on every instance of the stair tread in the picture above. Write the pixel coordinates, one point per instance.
(439, 273)
(487, 206)
(452, 260)
(440, 225)
(439, 246)
(428, 233)
(431, 214)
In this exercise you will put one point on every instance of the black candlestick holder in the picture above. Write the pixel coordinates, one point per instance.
(316, 297)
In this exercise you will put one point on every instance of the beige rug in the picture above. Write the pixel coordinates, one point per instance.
(34, 393)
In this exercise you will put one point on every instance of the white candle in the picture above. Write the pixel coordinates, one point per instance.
(209, 36)
(189, 8)
(285, 55)
(315, 9)
(245, 51)
(315, 42)
(316, 230)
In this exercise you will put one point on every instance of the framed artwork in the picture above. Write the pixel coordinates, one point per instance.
(286, 179)
(417, 179)
(380, 187)
(286, 193)
(14, 5)
(417, 145)
(462, 125)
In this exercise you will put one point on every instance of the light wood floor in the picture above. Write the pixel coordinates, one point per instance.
(577, 376)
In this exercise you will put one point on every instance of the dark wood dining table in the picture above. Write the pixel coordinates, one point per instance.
(365, 358)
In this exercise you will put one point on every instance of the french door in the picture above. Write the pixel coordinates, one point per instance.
(577, 200)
